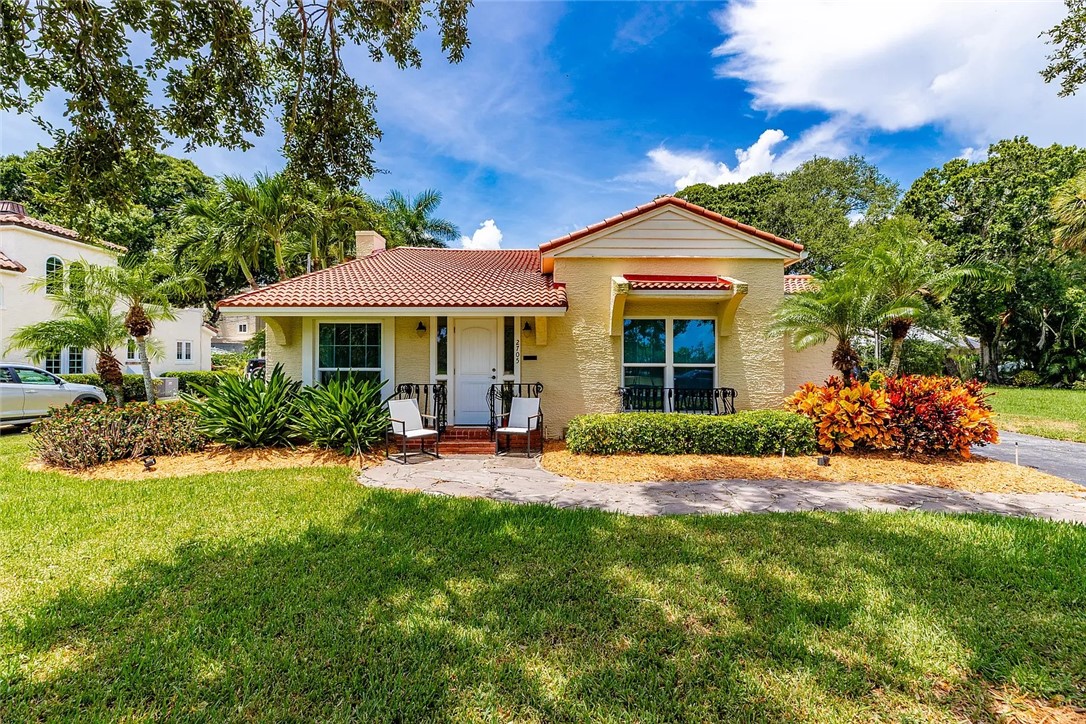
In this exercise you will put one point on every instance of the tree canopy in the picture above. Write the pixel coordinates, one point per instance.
(1067, 61)
(133, 75)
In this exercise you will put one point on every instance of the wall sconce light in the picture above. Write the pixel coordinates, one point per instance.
(421, 329)
(527, 326)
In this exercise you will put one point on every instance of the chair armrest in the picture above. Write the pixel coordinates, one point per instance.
(428, 417)
(499, 417)
(537, 418)
(402, 423)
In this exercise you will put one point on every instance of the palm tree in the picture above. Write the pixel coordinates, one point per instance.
(1069, 210)
(839, 308)
(409, 221)
(329, 220)
(911, 276)
(145, 291)
(86, 322)
(211, 233)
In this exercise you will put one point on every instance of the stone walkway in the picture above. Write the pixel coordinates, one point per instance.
(523, 481)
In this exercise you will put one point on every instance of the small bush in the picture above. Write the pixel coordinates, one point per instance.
(241, 413)
(80, 436)
(762, 432)
(845, 418)
(134, 390)
(186, 380)
(1078, 385)
(346, 415)
(229, 362)
(937, 415)
(1027, 378)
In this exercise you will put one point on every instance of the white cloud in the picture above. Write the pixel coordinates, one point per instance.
(969, 67)
(487, 236)
(770, 153)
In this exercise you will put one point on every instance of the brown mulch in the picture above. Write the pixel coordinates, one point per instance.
(218, 459)
(977, 474)
(1010, 706)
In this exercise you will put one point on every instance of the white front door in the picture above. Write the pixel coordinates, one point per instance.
(475, 370)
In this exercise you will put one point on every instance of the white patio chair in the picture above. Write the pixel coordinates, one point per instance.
(406, 423)
(524, 418)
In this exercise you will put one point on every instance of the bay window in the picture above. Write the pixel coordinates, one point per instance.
(349, 350)
(669, 352)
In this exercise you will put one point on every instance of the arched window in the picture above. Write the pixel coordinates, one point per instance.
(54, 276)
(77, 279)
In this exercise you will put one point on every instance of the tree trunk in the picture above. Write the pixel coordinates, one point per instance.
(109, 372)
(145, 364)
(844, 358)
(899, 330)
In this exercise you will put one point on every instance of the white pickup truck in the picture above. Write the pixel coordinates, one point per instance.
(28, 393)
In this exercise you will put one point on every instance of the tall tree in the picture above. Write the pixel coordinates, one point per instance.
(410, 221)
(133, 74)
(329, 220)
(1067, 62)
(83, 321)
(145, 290)
(1069, 210)
(818, 204)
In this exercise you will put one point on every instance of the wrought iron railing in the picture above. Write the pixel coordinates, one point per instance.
(499, 396)
(432, 399)
(710, 401)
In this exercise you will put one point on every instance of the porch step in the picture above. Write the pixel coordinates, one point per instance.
(465, 433)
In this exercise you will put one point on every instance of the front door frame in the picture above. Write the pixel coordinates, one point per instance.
(449, 378)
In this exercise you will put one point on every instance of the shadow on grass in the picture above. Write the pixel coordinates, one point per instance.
(429, 609)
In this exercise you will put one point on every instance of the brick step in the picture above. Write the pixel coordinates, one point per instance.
(466, 433)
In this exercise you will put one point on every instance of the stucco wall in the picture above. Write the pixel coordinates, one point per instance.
(412, 350)
(284, 344)
(581, 364)
(809, 365)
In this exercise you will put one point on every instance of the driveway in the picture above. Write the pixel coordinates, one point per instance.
(523, 481)
(1065, 459)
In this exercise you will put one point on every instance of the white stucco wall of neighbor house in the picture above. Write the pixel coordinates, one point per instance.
(20, 305)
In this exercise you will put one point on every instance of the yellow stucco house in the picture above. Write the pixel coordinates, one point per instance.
(663, 307)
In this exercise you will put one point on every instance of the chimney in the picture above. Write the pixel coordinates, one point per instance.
(12, 207)
(367, 243)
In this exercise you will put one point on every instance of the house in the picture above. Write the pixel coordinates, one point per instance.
(668, 297)
(235, 332)
(32, 249)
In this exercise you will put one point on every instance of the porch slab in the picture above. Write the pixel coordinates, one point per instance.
(520, 480)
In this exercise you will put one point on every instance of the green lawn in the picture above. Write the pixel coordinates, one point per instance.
(299, 595)
(1056, 414)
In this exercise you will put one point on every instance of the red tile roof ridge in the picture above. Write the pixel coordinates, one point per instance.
(29, 222)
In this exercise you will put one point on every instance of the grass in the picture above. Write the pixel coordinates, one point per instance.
(299, 595)
(1055, 414)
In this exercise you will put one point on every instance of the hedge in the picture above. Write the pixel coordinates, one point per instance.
(185, 380)
(760, 432)
(133, 385)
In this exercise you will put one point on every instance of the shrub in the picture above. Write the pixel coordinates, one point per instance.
(1078, 385)
(186, 380)
(346, 415)
(937, 415)
(1027, 378)
(242, 412)
(133, 385)
(80, 436)
(845, 418)
(230, 362)
(877, 380)
(762, 432)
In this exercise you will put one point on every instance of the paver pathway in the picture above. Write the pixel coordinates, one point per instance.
(523, 481)
(1065, 459)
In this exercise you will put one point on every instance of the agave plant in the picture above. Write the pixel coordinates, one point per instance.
(345, 414)
(243, 413)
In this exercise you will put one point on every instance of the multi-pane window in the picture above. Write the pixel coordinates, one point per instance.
(442, 345)
(52, 362)
(678, 353)
(352, 350)
(75, 361)
(54, 276)
(132, 352)
(509, 346)
(184, 351)
(242, 327)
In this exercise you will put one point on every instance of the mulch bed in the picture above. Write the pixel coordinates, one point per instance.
(977, 474)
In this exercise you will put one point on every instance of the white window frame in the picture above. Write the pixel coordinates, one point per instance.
(53, 358)
(58, 280)
(131, 350)
(669, 348)
(185, 352)
(317, 369)
(81, 355)
(243, 327)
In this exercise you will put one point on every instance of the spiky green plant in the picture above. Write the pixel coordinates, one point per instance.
(345, 414)
(243, 413)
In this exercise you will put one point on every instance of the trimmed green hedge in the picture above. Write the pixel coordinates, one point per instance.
(185, 380)
(760, 432)
(133, 385)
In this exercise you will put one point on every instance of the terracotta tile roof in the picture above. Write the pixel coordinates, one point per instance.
(662, 281)
(12, 214)
(6, 262)
(418, 277)
(796, 283)
(670, 201)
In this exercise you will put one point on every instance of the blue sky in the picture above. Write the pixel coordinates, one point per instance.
(565, 113)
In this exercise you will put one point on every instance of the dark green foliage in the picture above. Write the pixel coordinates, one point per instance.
(241, 412)
(80, 436)
(1027, 378)
(1067, 62)
(134, 390)
(346, 414)
(204, 379)
(761, 432)
(918, 357)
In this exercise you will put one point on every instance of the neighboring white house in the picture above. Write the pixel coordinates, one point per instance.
(31, 249)
(235, 332)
